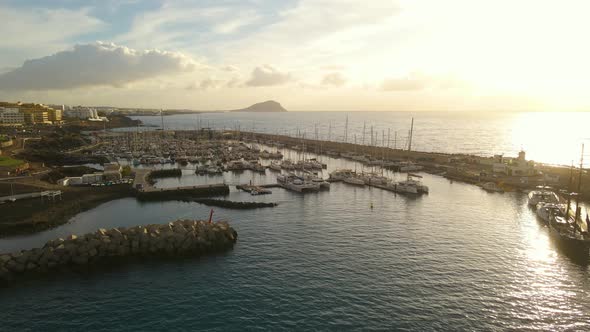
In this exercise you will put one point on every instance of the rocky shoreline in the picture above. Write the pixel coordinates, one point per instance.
(232, 204)
(178, 238)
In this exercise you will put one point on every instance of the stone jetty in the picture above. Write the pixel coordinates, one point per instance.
(178, 238)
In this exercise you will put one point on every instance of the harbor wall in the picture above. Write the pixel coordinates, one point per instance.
(178, 238)
(183, 192)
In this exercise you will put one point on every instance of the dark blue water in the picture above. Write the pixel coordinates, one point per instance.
(457, 259)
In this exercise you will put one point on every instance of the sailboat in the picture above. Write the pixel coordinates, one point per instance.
(567, 228)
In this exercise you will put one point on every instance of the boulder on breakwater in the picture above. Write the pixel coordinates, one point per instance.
(178, 238)
(233, 205)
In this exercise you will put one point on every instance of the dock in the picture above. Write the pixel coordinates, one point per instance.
(146, 191)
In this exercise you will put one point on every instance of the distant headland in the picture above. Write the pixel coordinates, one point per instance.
(266, 106)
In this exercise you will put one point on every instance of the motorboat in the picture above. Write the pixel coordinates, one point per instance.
(492, 187)
(412, 186)
(354, 181)
(546, 196)
(275, 166)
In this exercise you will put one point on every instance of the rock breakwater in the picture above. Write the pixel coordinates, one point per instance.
(178, 238)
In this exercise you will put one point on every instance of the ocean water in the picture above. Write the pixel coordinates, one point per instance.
(457, 259)
(548, 137)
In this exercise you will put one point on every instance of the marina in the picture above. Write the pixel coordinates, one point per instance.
(512, 242)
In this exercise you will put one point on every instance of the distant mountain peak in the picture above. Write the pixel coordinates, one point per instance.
(265, 106)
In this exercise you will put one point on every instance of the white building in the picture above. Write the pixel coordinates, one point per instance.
(82, 112)
(11, 116)
(514, 166)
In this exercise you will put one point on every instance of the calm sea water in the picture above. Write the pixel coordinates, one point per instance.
(550, 137)
(457, 259)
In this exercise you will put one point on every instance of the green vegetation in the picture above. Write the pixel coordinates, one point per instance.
(4, 138)
(59, 140)
(6, 161)
(62, 172)
(126, 171)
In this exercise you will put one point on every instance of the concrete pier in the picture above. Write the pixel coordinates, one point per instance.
(146, 191)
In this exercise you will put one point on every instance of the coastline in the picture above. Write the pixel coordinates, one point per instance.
(30, 216)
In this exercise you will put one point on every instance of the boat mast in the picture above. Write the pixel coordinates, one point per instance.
(579, 187)
(346, 130)
(411, 133)
(569, 193)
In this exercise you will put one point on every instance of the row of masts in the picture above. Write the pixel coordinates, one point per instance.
(578, 210)
(386, 139)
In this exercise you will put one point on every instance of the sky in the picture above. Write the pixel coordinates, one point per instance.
(391, 55)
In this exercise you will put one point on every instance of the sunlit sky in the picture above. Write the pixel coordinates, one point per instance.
(308, 55)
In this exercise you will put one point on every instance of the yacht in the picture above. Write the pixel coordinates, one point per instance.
(341, 174)
(355, 181)
(412, 186)
(543, 195)
(567, 228)
(567, 231)
(319, 181)
(545, 211)
(492, 187)
(275, 166)
(296, 183)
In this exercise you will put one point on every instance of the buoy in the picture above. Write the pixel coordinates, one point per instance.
(371, 205)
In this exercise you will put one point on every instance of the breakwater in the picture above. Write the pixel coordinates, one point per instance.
(163, 173)
(178, 238)
(233, 205)
(182, 193)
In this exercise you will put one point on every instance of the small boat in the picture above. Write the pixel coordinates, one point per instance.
(492, 187)
(355, 181)
(260, 191)
(275, 166)
(201, 170)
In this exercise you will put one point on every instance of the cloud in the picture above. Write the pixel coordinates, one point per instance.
(267, 76)
(232, 25)
(334, 79)
(92, 65)
(208, 83)
(403, 84)
(229, 68)
(418, 81)
(32, 27)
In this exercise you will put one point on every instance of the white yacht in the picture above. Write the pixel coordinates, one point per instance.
(492, 187)
(543, 195)
(296, 183)
(412, 186)
(354, 181)
(275, 166)
(546, 211)
(341, 174)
